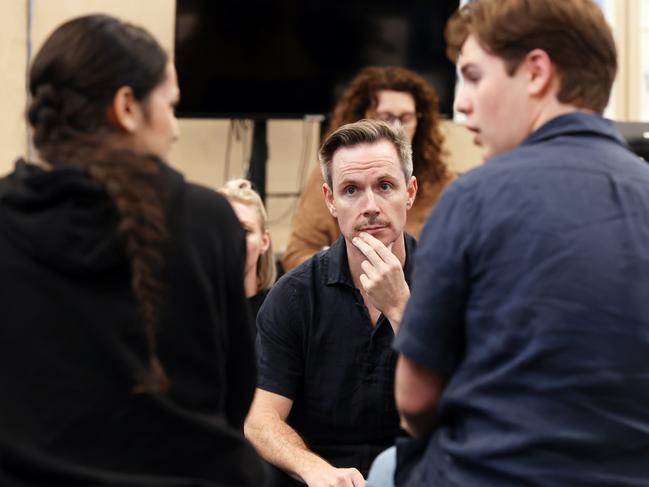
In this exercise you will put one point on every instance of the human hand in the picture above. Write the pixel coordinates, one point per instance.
(383, 280)
(326, 475)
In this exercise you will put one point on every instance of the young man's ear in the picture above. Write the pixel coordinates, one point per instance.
(541, 72)
(329, 199)
(125, 112)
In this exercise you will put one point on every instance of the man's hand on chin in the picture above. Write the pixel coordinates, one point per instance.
(383, 280)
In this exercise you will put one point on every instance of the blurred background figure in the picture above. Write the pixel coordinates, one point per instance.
(260, 271)
(126, 352)
(392, 94)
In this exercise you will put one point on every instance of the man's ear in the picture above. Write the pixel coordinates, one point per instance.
(125, 112)
(412, 191)
(329, 199)
(541, 72)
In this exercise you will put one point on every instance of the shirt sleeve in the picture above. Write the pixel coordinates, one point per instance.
(279, 341)
(432, 330)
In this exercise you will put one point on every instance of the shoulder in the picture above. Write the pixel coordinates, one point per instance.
(183, 196)
(203, 224)
(202, 209)
(205, 201)
(294, 292)
(302, 278)
(498, 178)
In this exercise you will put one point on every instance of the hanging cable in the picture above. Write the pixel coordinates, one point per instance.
(30, 11)
(246, 144)
(228, 150)
(309, 124)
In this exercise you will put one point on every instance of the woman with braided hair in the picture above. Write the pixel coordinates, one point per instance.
(125, 348)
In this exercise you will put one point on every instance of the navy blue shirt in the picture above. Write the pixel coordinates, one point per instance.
(316, 345)
(532, 299)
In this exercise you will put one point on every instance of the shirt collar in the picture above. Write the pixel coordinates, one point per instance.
(337, 264)
(575, 123)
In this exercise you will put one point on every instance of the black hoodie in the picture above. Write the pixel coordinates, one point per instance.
(72, 342)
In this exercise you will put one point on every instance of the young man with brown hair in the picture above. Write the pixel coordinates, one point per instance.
(525, 342)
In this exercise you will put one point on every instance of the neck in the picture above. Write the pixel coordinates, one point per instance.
(37, 160)
(250, 284)
(551, 109)
(355, 257)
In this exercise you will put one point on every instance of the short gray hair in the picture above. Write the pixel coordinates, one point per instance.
(365, 132)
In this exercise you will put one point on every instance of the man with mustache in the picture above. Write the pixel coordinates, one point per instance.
(324, 406)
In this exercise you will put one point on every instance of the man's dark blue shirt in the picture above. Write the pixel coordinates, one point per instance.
(316, 345)
(531, 296)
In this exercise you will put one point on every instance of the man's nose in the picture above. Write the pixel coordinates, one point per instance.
(370, 204)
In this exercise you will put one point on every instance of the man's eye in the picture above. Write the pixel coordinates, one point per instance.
(385, 186)
(349, 190)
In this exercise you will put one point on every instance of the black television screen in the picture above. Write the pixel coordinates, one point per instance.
(291, 58)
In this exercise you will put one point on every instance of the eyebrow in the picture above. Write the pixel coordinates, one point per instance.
(347, 180)
(386, 176)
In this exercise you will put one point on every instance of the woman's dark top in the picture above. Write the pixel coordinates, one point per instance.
(71, 341)
(256, 301)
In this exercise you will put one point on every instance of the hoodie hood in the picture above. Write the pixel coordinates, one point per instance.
(62, 218)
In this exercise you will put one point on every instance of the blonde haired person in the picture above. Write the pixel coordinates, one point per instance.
(260, 270)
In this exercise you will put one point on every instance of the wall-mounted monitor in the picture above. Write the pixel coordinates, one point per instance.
(291, 58)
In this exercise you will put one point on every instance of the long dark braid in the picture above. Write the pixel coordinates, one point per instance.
(131, 186)
(68, 117)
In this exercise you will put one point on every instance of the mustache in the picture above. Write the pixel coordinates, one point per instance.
(373, 221)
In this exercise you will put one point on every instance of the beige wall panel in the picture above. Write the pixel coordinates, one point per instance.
(13, 62)
(293, 146)
(157, 16)
(200, 152)
(463, 154)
